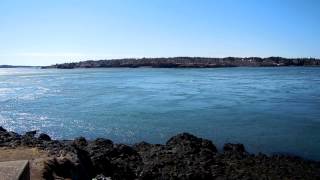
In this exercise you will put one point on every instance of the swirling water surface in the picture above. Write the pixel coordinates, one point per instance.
(268, 109)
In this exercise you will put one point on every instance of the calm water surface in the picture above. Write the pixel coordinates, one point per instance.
(267, 109)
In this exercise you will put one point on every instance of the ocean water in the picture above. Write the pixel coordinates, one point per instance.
(272, 110)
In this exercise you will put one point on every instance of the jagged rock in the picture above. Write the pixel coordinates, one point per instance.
(189, 142)
(44, 137)
(184, 156)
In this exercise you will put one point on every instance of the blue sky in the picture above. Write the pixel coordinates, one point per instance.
(46, 32)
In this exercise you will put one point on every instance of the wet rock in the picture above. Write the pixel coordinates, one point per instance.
(44, 137)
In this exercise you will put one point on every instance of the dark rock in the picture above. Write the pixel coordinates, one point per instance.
(13, 134)
(101, 163)
(184, 156)
(2, 129)
(44, 137)
(99, 151)
(103, 142)
(126, 162)
(142, 146)
(122, 150)
(29, 140)
(189, 142)
(80, 142)
(64, 168)
(85, 162)
(31, 133)
(239, 148)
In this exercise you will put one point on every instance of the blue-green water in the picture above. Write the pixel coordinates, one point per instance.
(267, 109)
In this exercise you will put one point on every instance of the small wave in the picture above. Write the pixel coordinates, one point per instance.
(2, 120)
(37, 93)
(6, 90)
(43, 89)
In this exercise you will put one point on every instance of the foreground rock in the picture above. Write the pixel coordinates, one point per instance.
(184, 156)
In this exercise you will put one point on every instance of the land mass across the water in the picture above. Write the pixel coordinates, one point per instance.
(190, 62)
(15, 66)
(184, 156)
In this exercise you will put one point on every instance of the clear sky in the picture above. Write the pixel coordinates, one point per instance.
(43, 32)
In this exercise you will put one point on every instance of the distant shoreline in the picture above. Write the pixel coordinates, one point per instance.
(190, 62)
(14, 66)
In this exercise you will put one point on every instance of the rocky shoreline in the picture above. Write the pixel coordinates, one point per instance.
(184, 156)
(190, 62)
